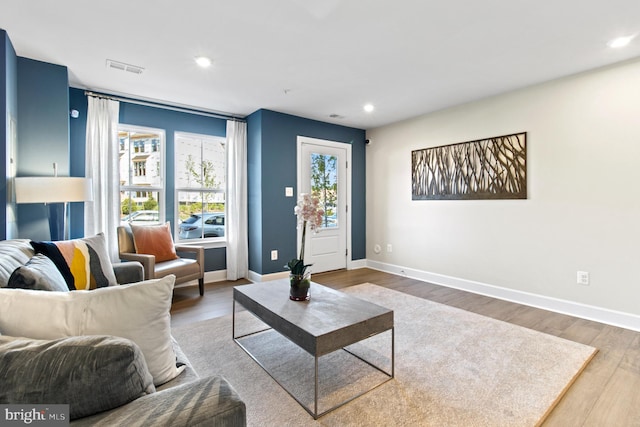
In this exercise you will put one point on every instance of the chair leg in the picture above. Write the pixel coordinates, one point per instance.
(201, 286)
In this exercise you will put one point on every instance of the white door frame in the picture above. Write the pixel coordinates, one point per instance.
(333, 144)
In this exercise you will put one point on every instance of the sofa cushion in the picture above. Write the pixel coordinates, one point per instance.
(39, 273)
(154, 240)
(138, 311)
(90, 373)
(13, 254)
(84, 263)
(209, 401)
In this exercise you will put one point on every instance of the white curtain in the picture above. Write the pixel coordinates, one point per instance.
(102, 215)
(237, 236)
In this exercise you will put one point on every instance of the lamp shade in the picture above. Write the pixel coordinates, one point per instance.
(49, 189)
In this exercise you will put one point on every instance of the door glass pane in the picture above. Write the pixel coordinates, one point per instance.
(324, 186)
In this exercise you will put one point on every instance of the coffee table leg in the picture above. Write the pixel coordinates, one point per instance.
(233, 321)
(315, 408)
(393, 352)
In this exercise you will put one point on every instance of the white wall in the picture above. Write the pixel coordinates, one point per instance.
(583, 206)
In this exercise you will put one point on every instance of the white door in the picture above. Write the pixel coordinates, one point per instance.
(322, 172)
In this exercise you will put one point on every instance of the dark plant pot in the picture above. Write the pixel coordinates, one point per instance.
(299, 289)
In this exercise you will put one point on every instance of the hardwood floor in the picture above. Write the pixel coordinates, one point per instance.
(606, 394)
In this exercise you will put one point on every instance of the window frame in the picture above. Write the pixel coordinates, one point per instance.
(206, 241)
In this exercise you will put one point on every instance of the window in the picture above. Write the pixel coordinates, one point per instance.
(141, 175)
(200, 175)
(139, 167)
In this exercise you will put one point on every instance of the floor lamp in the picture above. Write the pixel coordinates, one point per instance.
(56, 192)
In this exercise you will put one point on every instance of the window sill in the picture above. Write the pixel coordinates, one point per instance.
(204, 243)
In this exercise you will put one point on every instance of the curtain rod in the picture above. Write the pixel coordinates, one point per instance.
(164, 106)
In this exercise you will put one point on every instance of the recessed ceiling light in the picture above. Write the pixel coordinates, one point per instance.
(203, 61)
(620, 41)
(368, 108)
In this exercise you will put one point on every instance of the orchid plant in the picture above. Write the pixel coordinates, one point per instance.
(309, 213)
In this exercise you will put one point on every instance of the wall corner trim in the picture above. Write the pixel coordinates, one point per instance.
(583, 311)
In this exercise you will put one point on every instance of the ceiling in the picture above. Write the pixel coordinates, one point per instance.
(318, 58)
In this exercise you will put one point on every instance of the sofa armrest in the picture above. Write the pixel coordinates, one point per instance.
(148, 262)
(128, 272)
(209, 401)
(197, 250)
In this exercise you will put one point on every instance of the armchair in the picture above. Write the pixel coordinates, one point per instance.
(185, 269)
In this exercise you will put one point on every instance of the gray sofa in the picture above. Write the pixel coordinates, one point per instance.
(17, 252)
(186, 400)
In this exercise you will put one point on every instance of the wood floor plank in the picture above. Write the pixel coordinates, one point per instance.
(577, 403)
(581, 400)
(189, 307)
(582, 331)
(605, 394)
(527, 317)
(619, 402)
(631, 359)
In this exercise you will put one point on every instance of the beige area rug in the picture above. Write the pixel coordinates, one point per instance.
(452, 368)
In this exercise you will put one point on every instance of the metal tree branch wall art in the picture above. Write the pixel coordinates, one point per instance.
(492, 168)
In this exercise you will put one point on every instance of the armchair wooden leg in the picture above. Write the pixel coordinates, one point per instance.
(201, 286)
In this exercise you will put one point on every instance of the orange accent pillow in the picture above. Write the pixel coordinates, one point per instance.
(154, 240)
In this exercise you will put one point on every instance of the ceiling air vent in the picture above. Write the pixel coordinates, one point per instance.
(124, 67)
(336, 116)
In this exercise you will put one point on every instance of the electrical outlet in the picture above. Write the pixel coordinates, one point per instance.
(274, 255)
(389, 247)
(582, 278)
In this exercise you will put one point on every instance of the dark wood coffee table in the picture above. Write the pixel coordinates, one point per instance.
(329, 321)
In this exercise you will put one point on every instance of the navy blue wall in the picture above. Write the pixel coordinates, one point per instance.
(274, 136)
(8, 108)
(77, 151)
(43, 109)
(254, 190)
(4, 43)
(159, 118)
(12, 116)
(43, 134)
(47, 134)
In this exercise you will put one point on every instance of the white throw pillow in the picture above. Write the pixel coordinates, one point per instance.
(138, 311)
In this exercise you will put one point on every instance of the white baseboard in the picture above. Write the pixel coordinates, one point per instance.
(215, 276)
(571, 308)
(255, 277)
(584, 311)
(209, 276)
(356, 264)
